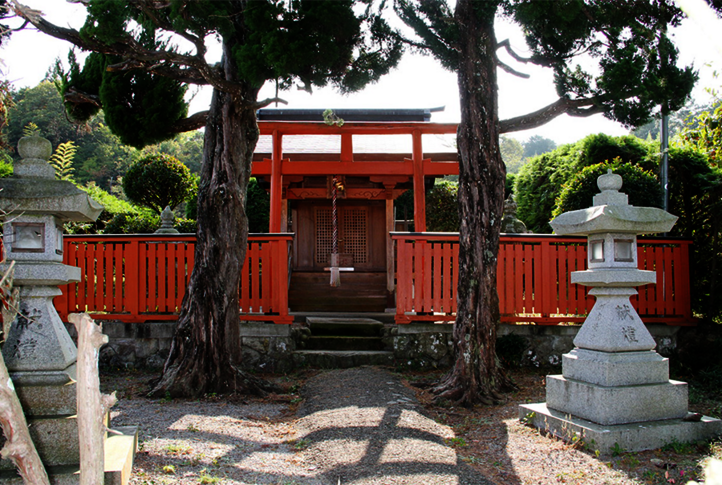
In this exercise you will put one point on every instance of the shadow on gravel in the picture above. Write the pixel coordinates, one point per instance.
(362, 426)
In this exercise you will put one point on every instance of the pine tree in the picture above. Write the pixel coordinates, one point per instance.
(138, 76)
(632, 71)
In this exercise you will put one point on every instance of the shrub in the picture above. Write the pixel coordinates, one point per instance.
(157, 181)
(695, 190)
(641, 186)
(540, 181)
(186, 226)
(132, 224)
(111, 206)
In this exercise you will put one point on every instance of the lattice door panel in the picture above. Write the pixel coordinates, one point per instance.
(324, 235)
(353, 234)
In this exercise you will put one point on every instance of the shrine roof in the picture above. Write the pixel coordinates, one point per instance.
(362, 143)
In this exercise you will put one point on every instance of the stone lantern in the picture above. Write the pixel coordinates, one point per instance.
(38, 351)
(615, 389)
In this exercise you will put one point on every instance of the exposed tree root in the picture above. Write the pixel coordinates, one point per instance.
(237, 381)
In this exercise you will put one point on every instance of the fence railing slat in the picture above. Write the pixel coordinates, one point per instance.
(533, 279)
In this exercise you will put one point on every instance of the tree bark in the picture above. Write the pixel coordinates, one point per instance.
(205, 352)
(477, 376)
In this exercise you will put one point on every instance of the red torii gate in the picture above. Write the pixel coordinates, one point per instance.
(386, 175)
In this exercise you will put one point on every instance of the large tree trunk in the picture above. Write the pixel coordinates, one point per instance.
(476, 376)
(205, 352)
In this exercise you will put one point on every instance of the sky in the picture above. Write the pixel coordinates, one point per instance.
(418, 82)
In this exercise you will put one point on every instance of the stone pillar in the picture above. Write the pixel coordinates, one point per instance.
(615, 390)
(38, 351)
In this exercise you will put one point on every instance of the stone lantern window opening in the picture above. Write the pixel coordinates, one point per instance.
(29, 237)
(623, 250)
(596, 253)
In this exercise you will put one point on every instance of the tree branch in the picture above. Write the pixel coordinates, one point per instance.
(507, 46)
(573, 107)
(511, 70)
(130, 49)
(193, 122)
(267, 101)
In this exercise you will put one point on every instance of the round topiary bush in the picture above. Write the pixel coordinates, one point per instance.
(641, 186)
(157, 181)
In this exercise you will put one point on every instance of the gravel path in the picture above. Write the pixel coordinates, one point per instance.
(356, 426)
(362, 426)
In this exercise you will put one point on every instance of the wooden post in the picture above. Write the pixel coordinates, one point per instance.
(92, 405)
(419, 190)
(276, 183)
(390, 285)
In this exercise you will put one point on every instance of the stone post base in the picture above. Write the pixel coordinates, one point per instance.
(628, 437)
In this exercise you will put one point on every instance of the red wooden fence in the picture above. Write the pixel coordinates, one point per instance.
(144, 277)
(533, 279)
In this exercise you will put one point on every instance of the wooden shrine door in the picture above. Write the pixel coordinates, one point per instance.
(361, 235)
(362, 244)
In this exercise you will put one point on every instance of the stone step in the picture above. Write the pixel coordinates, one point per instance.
(355, 327)
(332, 342)
(341, 359)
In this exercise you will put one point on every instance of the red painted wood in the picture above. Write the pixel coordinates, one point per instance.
(131, 294)
(447, 278)
(425, 263)
(538, 268)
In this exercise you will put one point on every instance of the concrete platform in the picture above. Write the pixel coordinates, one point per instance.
(628, 437)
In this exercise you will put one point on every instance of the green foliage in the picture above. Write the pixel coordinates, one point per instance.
(404, 206)
(627, 76)
(695, 189)
(509, 185)
(158, 181)
(141, 108)
(258, 207)
(704, 133)
(540, 180)
(132, 224)
(31, 129)
(112, 206)
(512, 153)
(62, 160)
(538, 184)
(537, 144)
(6, 164)
(84, 107)
(600, 148)
(42, 106)
(316, 43)
(442, 207)
(642, 187)
(186, 147)
(186, 226)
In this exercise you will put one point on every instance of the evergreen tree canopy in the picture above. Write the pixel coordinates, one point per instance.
(151, 50)
(145, 53)
(635, 63)
(610, 57)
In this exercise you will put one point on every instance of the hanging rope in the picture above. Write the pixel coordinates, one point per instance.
(335, 273)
